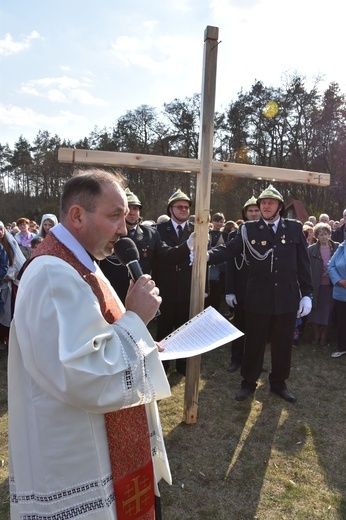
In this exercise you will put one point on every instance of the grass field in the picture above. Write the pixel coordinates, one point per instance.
(261, 459)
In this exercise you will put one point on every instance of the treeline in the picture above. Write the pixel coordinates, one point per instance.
(300, 128)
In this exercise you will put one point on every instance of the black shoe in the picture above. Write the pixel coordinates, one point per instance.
(233, 366)
(242, 394)
(285, 394)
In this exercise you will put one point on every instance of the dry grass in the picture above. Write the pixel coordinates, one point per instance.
(262, 459)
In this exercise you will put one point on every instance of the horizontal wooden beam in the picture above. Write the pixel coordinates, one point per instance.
(181, 164)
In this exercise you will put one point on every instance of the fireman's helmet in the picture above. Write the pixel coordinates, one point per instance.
(177, 195)
(132, 199)
(272, 193)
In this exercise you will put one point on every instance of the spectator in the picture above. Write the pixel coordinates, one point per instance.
(24, 237)
(3, 270)
(309, 233)
(313, 220)
(337, 273)
(33, 227)
(324, 218)
(8, 288)
(320, 254)
(162, 218)
(84, 373)
(47, 222)
(14, 230)
(230, 226)
(339, 234)
(35, 242)
(216, 273)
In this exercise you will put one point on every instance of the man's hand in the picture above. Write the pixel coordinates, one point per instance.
(231, 300)
(143, 298)
(305, 306)
(159, 347)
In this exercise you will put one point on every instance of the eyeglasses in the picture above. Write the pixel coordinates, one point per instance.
(182, 208)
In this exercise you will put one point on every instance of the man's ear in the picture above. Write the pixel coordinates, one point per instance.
(76, 215)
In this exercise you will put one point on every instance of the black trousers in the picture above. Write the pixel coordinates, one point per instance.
(237, 347)
(172, 316)
(259, 327)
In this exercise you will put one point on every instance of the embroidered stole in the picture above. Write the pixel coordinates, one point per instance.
(127, 429)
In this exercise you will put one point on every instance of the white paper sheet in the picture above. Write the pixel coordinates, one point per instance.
(206, 331)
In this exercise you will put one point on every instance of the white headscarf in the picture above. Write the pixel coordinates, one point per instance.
(47, 216)
(18, 257)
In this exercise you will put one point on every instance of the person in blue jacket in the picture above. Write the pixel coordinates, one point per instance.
(337, 273)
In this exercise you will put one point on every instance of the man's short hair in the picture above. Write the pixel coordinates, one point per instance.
(85, 186)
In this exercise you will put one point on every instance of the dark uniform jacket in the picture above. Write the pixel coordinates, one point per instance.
(174, 281)
(236, 279)
(275, 284)
(151, 250)
(338, 235)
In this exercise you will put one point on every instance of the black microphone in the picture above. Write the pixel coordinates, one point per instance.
(128, 255)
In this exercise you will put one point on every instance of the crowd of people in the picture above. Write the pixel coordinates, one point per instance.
(17, 240)
(93, 374)
(171, 268)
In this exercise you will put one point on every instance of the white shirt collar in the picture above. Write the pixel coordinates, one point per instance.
(175, 225)
(276, 223)
(66, 238)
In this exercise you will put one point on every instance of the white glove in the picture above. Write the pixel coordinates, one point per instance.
(190, 242)
(231, 300)
(305, 306)
(192, 257)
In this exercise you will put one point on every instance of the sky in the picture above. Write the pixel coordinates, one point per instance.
(70, 66)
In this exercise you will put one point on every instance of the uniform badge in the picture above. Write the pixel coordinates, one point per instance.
(283, 241)
(264, 243)
(253, 242)
(144, 252)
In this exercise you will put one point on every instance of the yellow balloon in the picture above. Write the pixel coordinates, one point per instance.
(270, 109)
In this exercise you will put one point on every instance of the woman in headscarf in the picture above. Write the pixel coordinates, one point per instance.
(48, 221)
(9, 286)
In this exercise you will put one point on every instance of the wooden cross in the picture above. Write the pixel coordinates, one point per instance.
(204, 167)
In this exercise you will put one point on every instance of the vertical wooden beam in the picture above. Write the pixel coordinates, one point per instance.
(202, 211)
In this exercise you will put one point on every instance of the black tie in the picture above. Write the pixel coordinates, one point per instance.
(180, 231)
(271, 229)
